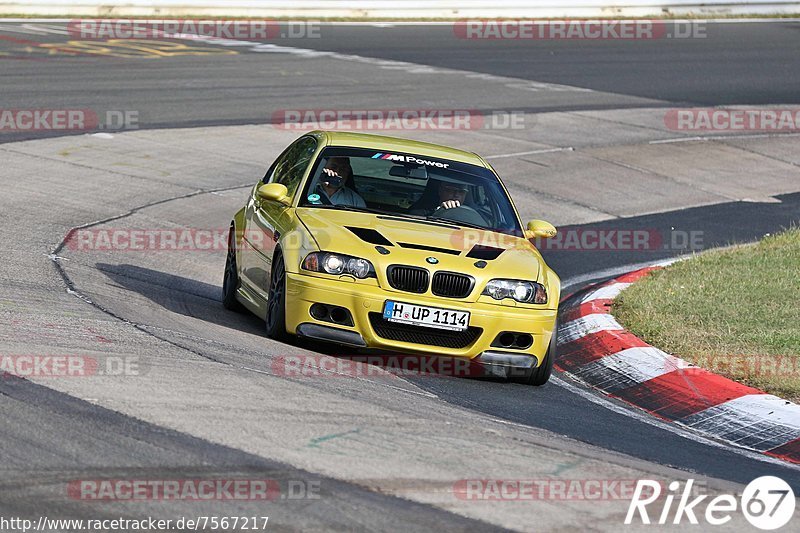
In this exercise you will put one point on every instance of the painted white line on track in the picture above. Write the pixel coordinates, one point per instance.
(677, 140)
(387, 64)
(614, 271)
(531, 152)
(722, 137)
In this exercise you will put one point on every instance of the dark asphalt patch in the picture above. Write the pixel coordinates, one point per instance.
(96, 443)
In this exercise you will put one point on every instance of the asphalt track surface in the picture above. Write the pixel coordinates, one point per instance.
(748, 63)
(732, 64)
(48, 436)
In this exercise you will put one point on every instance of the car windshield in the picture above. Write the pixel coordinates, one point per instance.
(403, 184)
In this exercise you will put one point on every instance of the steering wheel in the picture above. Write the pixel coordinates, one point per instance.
(462, 213)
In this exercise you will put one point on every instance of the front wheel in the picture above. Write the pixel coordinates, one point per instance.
(541, 374)
(276, 303)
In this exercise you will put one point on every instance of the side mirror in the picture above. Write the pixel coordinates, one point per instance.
(540, 229)
(275, 192)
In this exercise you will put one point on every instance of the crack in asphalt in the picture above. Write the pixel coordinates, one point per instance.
(70, 285)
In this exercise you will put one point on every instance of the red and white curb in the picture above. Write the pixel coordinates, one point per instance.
(595, 349)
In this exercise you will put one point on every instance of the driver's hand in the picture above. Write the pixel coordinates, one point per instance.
(330, 172)
(450, 204)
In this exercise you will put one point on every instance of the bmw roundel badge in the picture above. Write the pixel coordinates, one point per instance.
(431, 260)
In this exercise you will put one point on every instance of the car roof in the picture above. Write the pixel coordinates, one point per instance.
(396, 144)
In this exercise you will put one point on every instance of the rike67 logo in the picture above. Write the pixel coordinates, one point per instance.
(767, 503)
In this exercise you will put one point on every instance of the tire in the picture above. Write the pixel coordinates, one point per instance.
(541, 374)
(276, 303)
(230, 281)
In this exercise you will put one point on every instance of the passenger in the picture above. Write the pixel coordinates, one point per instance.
(333, 183)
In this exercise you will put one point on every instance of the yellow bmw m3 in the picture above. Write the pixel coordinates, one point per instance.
(378, 242)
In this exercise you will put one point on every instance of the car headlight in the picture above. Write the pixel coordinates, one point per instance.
(337, 264)
(528, 292)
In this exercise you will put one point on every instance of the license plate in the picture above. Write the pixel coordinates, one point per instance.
(422, 315)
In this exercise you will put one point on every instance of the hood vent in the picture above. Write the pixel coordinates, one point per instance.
(370, 235)
(488, 253)
(428, 248)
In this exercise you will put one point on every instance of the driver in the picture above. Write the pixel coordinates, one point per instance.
(451, 195)
(332, 181)
(448, 195)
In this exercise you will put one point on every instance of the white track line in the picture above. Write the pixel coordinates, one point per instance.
(532, 152)
(614, 271)
(722, 137)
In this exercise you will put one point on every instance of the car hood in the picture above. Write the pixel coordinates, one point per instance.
(412, 242)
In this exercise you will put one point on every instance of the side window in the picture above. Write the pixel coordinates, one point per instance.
(289, 168)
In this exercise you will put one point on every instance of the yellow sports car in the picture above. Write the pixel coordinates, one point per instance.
(378, 242)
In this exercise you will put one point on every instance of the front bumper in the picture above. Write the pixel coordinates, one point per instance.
(362, 300)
